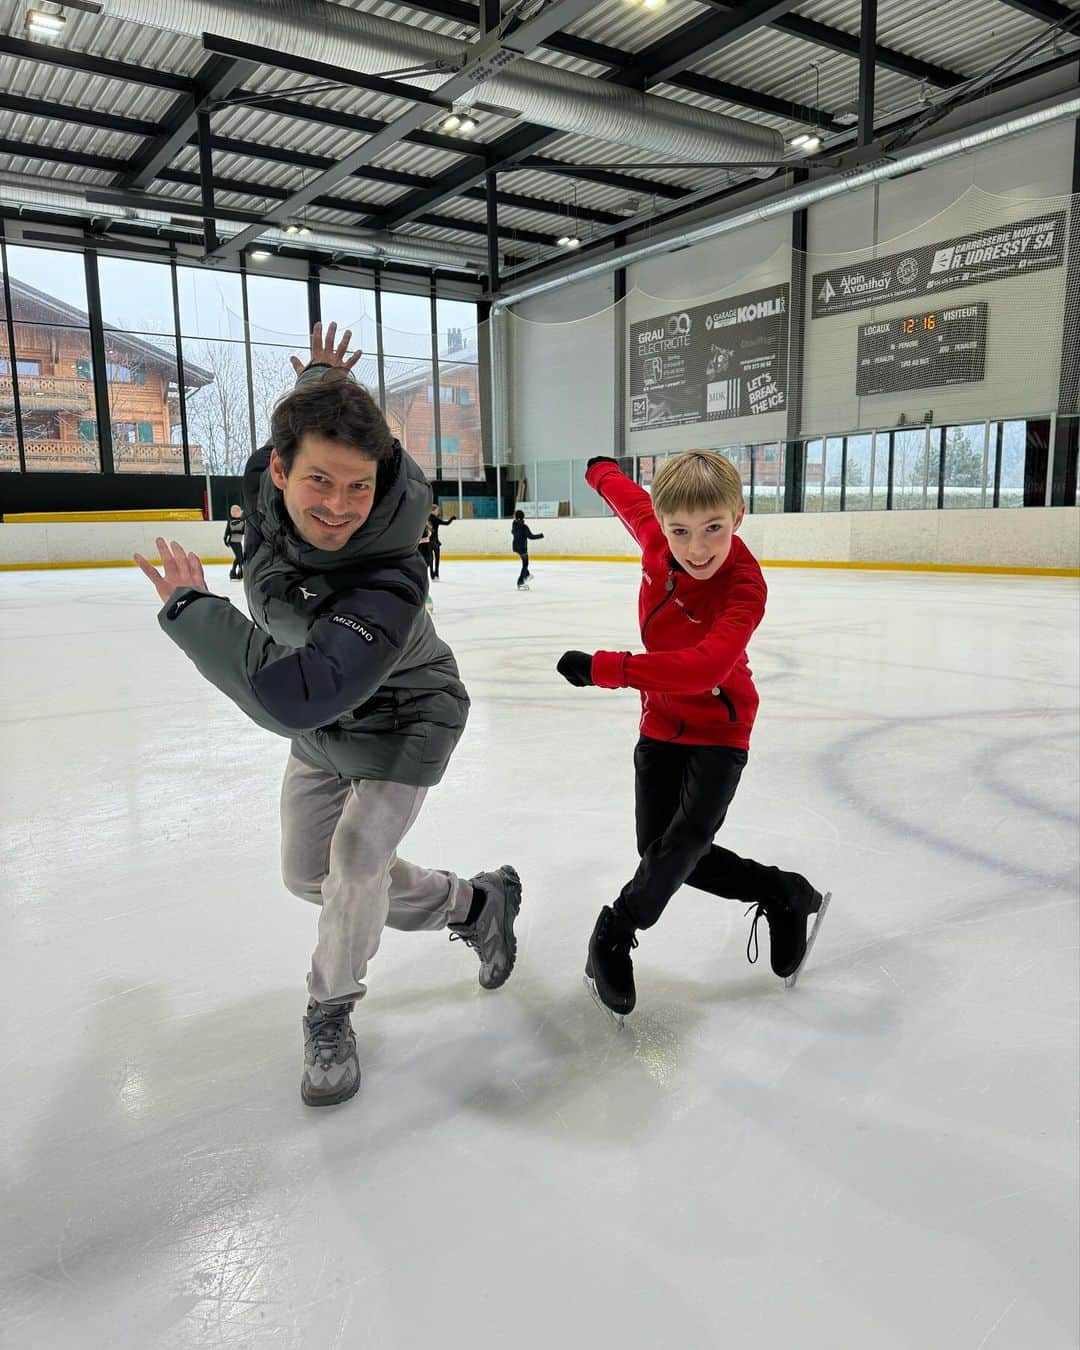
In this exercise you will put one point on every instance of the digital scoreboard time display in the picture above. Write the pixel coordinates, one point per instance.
(923, 350)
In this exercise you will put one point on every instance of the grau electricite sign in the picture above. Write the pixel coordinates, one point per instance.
(707, 363)
(1000, 251)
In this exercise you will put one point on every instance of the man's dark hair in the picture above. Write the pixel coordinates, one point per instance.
(335, 407)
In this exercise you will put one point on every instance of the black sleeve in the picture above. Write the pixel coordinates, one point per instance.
(350, 651)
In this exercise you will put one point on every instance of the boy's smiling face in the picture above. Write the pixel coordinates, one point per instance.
(700, 541)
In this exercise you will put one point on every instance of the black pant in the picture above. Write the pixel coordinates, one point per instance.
(524, 569)
(236, 571)
(682, 793)
(433, 559)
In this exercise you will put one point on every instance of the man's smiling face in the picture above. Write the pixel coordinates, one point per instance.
(329, 492)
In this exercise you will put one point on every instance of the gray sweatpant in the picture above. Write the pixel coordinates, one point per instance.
(339, 840)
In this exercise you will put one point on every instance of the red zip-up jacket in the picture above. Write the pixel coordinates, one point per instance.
(696, 686)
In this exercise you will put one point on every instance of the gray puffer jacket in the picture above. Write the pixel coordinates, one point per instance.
(342, 657)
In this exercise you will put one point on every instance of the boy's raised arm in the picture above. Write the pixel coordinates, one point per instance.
(632, 504)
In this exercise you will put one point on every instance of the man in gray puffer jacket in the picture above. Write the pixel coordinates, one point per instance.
(343, 659)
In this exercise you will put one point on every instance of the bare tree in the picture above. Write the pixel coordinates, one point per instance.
(217, 413)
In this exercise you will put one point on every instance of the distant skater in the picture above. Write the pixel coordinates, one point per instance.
(435, 521)
(234, 537)
(521, 536)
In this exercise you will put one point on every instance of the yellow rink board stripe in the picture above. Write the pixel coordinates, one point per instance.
(178, 513)
(105, 562)
(783, 562)
(510, 559)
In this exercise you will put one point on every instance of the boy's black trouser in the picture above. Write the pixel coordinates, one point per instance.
(237, 569)
(433, 560)
(524, 569)
(682, 793)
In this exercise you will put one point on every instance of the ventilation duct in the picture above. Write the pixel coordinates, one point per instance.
(575, 104)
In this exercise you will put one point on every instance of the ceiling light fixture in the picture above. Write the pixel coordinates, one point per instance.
(812, 143)
(653, 4)
(797, 141)
(459, 121)
(44, 23)
(260, 254)
(569, 241)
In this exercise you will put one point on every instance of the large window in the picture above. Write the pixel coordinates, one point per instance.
(194, 359)
(53, 364)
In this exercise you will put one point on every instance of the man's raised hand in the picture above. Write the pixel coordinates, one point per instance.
(183, 570)
(327, 351)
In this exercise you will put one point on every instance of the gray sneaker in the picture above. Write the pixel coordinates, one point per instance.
(492, 935)
(331, 1066)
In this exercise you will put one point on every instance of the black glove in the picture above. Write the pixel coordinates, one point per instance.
(576, 667)
(602, 459)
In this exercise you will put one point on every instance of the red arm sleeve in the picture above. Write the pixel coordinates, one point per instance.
(632, 504)
(693, 670)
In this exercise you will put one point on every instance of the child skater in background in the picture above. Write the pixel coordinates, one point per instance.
(521, 535)
(435, 523)
(234, 538)
(702, 595)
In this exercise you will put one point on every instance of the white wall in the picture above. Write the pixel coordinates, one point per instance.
(562, 354)
(1016, 180)
(1033, 537)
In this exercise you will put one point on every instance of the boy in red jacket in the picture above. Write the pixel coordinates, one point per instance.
(702, 596)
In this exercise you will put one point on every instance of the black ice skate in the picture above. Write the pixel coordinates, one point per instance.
(609, 972)
(788, 917)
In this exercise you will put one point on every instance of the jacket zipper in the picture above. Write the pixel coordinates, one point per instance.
(719, 693)
(669, 586)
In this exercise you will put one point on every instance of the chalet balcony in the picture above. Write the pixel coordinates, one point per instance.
(47, 393)
(82, 456)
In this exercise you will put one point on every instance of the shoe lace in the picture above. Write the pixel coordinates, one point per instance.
(616, 937)
(469, 936)
(327, 1030)
(758, 909)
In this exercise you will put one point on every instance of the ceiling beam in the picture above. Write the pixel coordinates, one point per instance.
(1047, 10)
(320, 70)
(87, 117)
(54, 154)
(697, 41)
(481, 62)
(93, 65)
(750, 98)
(217, 78)
(839, 41)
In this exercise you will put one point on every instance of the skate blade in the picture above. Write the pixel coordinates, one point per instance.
(617, 1018)
(789, 983)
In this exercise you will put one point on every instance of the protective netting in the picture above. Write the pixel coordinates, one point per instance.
(933, 367)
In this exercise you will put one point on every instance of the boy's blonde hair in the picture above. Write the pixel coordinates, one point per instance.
(697, 480)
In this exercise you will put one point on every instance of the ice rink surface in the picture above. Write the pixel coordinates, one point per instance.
(885, 1157)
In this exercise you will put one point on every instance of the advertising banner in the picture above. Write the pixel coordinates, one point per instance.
(711, 362)
(1000, 251)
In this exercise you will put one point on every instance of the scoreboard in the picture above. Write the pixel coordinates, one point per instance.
(921, 350)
